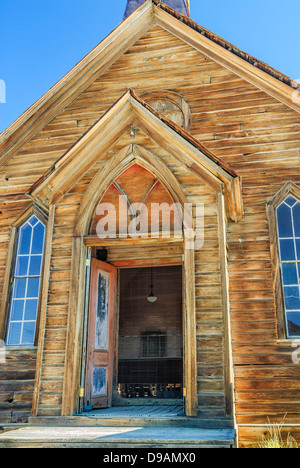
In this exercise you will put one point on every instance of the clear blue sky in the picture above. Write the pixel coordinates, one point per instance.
(41, 40)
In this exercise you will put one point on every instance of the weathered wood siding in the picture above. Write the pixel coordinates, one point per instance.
(210, 324)
(260, 139)
(255, 435)
(17, 376)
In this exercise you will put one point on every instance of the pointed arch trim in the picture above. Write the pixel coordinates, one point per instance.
(125, 158)
(289, 188)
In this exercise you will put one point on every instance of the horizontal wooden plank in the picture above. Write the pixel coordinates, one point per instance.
(252, 436)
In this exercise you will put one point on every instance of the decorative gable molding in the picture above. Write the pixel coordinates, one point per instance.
(129, 111)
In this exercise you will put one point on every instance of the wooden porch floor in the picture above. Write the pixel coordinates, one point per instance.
(137, 412)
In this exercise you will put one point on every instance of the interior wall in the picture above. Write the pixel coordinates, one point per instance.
(150, 334)
(137, 315)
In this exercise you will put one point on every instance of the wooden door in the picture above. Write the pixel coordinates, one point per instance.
(100, 344)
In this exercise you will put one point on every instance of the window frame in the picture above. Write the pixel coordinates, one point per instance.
(289, 189)
(147, 344)
(5, 308)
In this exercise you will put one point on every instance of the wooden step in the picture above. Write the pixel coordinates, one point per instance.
(171, 416)
(92, 420)
(116, 437)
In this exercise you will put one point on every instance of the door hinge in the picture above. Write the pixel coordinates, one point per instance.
(81, 392)
(88, 262)
(184, 392)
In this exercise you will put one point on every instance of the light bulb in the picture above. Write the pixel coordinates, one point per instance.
(152, 298)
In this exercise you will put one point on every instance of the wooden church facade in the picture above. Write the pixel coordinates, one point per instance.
(161, 111)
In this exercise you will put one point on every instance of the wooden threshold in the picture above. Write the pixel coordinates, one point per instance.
(143, 411)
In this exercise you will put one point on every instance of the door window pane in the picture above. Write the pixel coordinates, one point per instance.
(99, 381)
(26, 283)
(101, 326)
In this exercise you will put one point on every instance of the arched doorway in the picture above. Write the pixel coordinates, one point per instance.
(124, 252)
(135, 342)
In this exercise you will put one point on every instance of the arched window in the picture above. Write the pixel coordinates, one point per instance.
(288, 223)
(25, 282)
(171, 105)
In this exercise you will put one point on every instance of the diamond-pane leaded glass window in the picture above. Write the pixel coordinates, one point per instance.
(26, 283)
(288, 220)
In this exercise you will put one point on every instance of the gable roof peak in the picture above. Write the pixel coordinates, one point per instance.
(129, 109)
(181, 6)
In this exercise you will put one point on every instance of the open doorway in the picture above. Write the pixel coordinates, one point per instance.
(150, 335)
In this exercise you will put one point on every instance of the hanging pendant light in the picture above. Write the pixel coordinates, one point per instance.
(152, 298)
